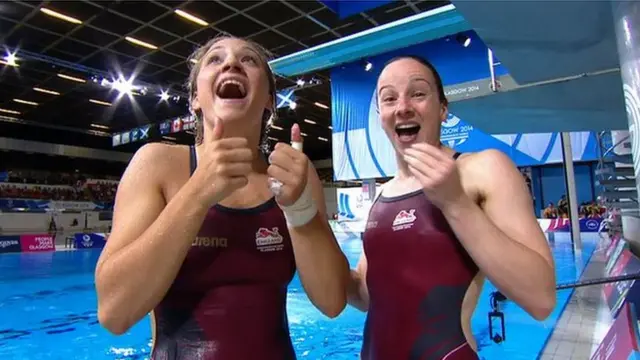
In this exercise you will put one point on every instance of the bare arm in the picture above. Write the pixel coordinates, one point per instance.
(504, 237)
(148, 243)
(322, 266)
(357, 292)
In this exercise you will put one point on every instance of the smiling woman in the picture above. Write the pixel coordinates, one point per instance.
(214, 299)
(456, 202)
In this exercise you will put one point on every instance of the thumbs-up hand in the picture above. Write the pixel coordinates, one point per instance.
(289, 166)
(223, 165)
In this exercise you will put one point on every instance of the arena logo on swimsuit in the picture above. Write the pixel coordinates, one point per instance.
(206, 241)
(269, 240)
(404, 220)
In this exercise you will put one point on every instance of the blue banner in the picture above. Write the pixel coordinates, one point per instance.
(10, 244)
(90, 241)
(362, 150)
(4, 176)
(346, 8)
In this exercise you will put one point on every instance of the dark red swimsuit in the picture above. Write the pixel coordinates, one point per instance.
(417, 275)
(228, 301)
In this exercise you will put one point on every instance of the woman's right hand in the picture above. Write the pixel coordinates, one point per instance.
(223, 166)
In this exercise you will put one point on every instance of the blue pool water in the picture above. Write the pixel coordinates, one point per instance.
(48, 311)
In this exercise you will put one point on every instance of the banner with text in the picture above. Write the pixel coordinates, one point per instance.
(37, 243)
(90, 241)
(616, 293)
(361, 148)
(621, 341)
(25, 204)
(564, 225)
(9, 244)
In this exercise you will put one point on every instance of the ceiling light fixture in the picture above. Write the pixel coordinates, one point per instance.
(98, 126)
(190, 17)
(123, 86)
(320, 105)
(8, 63)
(309, 121)
(60, 16)
(141, 43)
(330, 127)
(272, 138)
(322, 139)
(9, 60)
(164, 95)
(276, 127)
(303, 134)
(26, 102)
(464, 40)
(72, 78)
(46, 91)
(7, 111)
(100, 102)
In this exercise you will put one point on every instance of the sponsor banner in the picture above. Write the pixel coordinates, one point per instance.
(9, 244)
(616, 292)
(72, 205)
(564, 225)
(620, 342)
(22, 204)
(90, 241)
(37, 243)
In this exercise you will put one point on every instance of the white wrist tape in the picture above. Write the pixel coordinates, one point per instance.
(302, 211)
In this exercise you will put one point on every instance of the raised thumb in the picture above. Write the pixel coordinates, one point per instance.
(217, 129)
(296, 137)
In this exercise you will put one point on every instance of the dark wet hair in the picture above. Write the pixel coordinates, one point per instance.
(428, 65)
(264, 56)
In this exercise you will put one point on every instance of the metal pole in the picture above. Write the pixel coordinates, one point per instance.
(494, 84)
(572, 197)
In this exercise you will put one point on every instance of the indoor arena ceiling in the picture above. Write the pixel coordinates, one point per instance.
(66, 48)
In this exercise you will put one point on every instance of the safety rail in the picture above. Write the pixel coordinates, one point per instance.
(615, 181)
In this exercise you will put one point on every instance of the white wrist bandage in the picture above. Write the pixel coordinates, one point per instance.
(302, 211)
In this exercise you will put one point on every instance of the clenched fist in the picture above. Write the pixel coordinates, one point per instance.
(223, 166)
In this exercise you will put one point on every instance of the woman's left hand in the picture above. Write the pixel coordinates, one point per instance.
(290, 167)
(438, 173)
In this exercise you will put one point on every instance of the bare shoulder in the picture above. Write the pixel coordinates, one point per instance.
(489, 163)
(157, 161)
(487, 170)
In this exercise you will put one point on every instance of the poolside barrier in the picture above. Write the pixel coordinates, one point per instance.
(90, 240)
(357, 226)
(623, 298)
(27, 243)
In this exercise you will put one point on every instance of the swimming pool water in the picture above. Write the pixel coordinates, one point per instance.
(48, 311)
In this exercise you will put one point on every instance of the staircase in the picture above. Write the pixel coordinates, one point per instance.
(615, 175)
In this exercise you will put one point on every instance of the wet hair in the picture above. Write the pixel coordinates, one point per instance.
(195, 65)
(428, 65)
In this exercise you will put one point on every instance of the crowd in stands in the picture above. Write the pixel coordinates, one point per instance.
(41, 185)
(589, 210)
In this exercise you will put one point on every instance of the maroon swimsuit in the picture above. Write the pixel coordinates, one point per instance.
(228, 301)
(417, 275)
